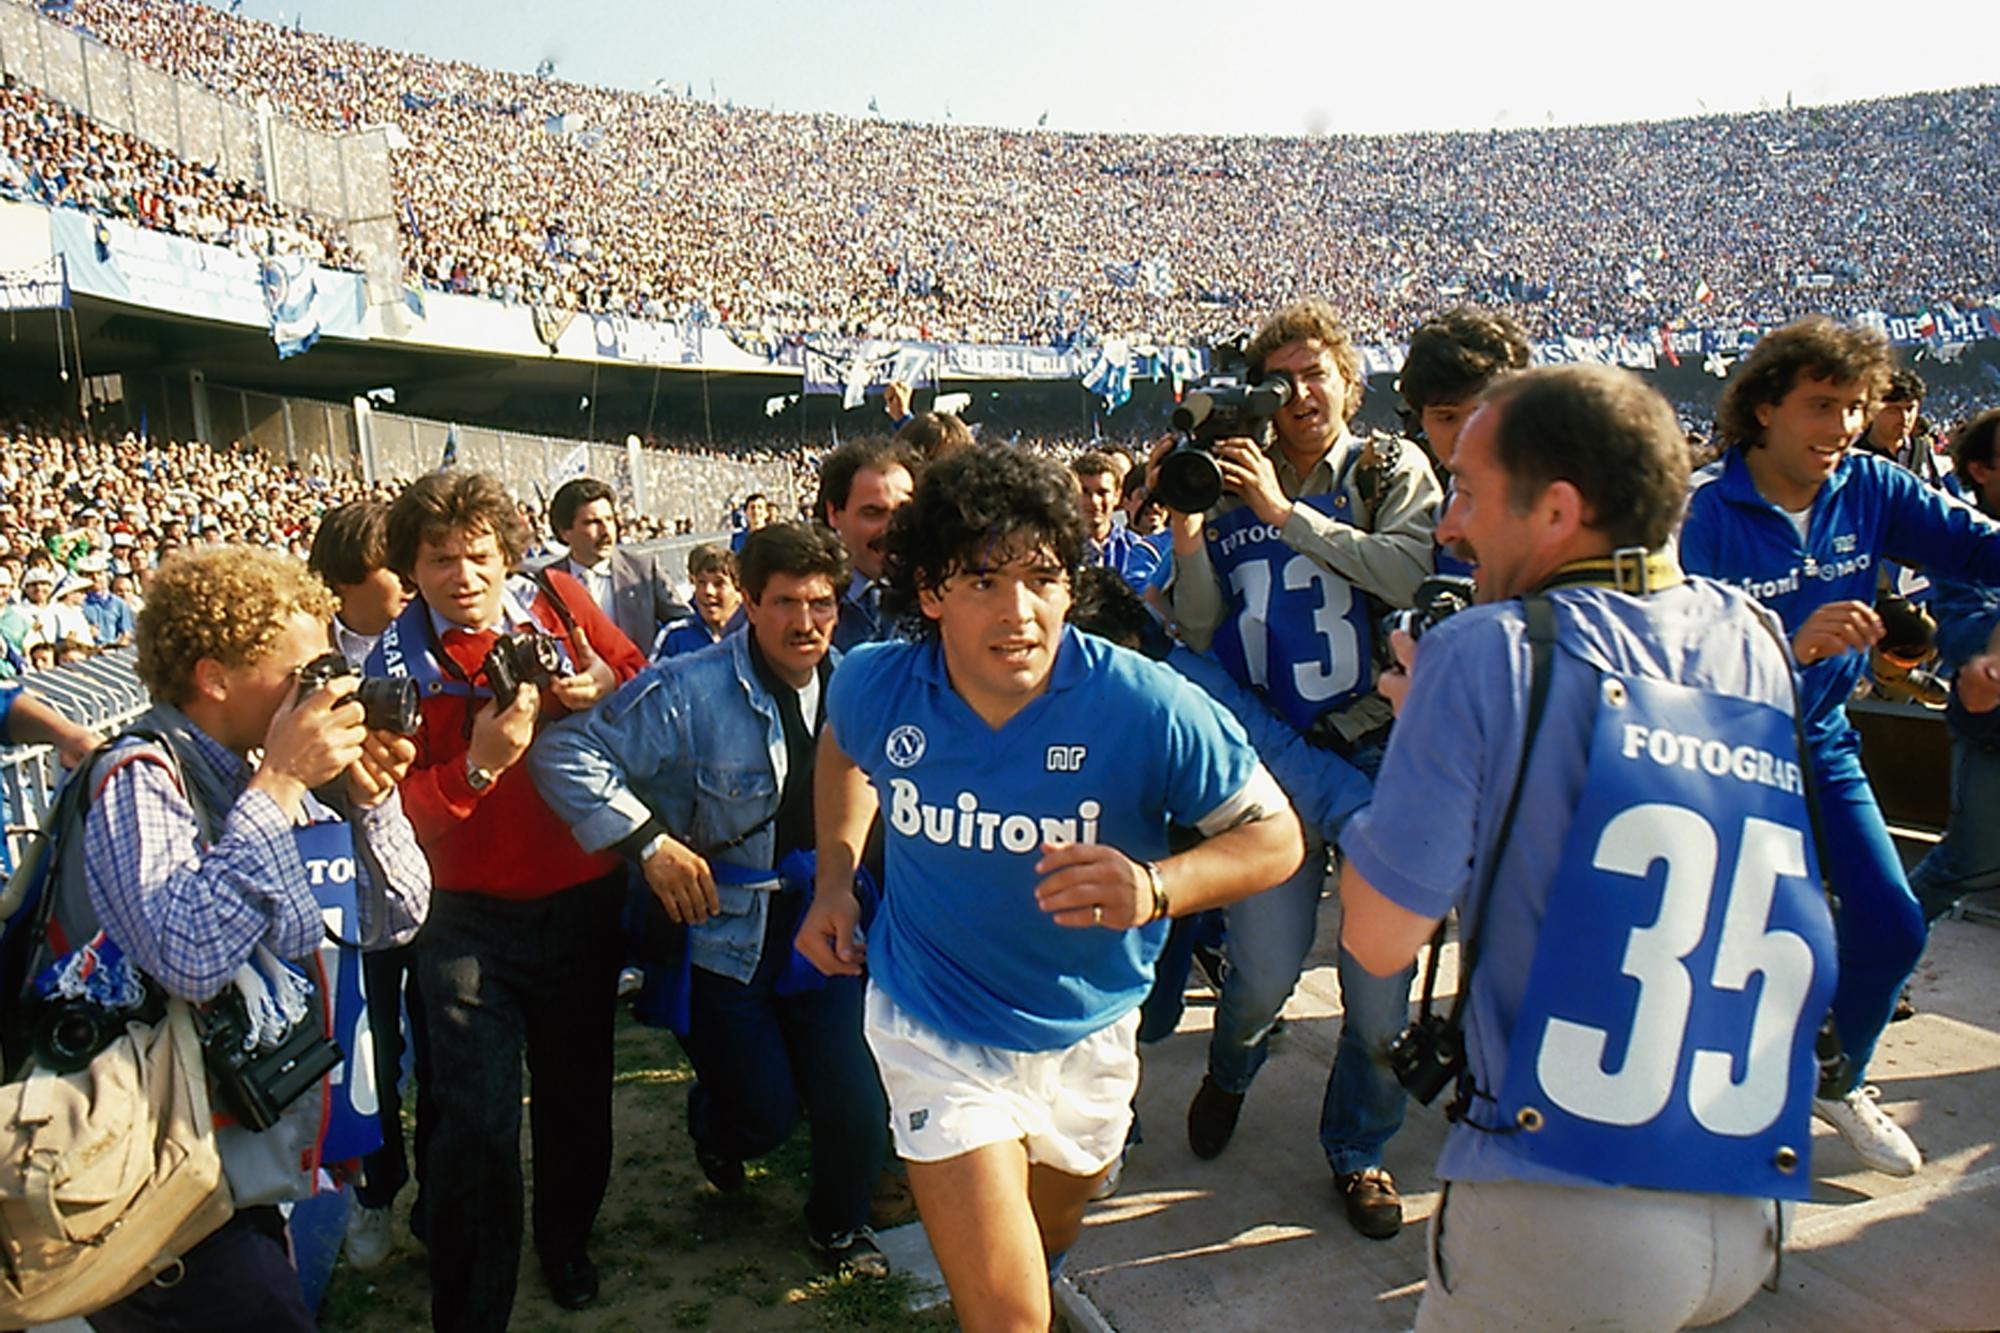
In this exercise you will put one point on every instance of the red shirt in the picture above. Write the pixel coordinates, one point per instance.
(504, 841)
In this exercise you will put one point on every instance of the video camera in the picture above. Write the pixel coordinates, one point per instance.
(1222, 405)
(386, 704)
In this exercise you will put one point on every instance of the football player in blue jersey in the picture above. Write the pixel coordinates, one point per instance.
(1026, 775)
(1282, 580)
(1801, 521)
(1599, 768)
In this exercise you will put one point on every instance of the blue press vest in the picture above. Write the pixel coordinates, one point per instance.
(1298, 631)
(354, 1123)
(1665, 1039)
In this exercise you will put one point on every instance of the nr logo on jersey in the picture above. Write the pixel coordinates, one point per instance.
(905, 745)
(1066, 758)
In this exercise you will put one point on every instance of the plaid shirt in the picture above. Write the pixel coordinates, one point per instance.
(191, 915)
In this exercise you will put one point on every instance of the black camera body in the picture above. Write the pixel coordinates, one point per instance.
(1222, 405)
(1427, 1057)
(257, 1085)
(1438, 598)
(525, 657)
(386, 704)
(69, 1033)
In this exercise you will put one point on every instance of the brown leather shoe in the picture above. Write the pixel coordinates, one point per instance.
(1373, 1206)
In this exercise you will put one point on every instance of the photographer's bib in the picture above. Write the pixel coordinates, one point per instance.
(1685, 959)
(353, 1126)
(1295, 630)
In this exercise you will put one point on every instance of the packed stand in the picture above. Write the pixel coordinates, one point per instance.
(669, 207)
(50, 154)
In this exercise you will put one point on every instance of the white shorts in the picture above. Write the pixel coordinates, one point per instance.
(1071, 1107)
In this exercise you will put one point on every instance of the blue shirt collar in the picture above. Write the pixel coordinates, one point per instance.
(1740, 487)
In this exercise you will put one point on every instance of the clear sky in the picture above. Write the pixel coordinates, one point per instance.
(1356, 66)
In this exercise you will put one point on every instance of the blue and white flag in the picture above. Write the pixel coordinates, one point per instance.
(574, 464)
(45, 286)
(291, 299)
(1110, 376)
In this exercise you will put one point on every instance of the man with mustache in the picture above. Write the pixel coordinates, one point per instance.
(861, 486)
(702, 773)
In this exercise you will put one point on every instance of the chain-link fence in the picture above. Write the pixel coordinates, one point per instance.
(344, 178)
(328, 439)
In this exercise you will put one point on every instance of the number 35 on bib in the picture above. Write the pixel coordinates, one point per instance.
(1685, 960)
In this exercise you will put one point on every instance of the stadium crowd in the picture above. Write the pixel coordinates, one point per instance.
(87, 516)
(51, 154)
(671, 207)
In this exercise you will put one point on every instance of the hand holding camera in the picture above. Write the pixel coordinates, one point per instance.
(312, 739)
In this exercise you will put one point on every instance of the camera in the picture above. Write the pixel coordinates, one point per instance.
(68, 1034)
(1437, 599)
(1427, 1057)
(253, 1084)
(386, 705)
(1222, 405)
(525, 657)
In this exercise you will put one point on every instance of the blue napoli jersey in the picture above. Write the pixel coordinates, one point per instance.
(1869, 510)
(1114, 750)
(1293, 628)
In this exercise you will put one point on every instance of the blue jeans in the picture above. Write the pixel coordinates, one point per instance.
(1160, 1015)
(1270, 934)
(1878, 927)
(1967, 859)
(762, 1057)
(1363, 1106)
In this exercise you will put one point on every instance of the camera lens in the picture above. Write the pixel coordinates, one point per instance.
(70, 1035)
(1190, 482)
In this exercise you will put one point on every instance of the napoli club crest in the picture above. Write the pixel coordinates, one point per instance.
(905, 745)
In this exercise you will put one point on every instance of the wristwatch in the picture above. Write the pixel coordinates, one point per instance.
(477, 778)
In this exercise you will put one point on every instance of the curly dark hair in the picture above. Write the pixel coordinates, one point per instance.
(1455, 355)
(1817, 347)
(434, 506)
(977, 508)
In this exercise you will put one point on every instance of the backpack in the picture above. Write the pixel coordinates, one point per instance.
(109, 1174)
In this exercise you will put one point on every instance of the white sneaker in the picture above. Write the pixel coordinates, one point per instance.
(368, 1236)
(1876, 1139)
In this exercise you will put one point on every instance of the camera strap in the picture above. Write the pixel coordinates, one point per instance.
(1541, 617)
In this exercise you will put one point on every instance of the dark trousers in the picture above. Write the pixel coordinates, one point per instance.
(239, 1280)
(761, 1058)
(499, 977)
(391, 974)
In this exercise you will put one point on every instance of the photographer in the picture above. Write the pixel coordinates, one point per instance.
(522, 946)
(1598, 1174)
(350, 552)
(191, 864)
(1281, 581)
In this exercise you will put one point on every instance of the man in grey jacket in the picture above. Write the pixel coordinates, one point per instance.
(629, 586)
(1317, 531)
(700, 771)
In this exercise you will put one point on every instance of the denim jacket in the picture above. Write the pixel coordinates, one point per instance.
(696, 743)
